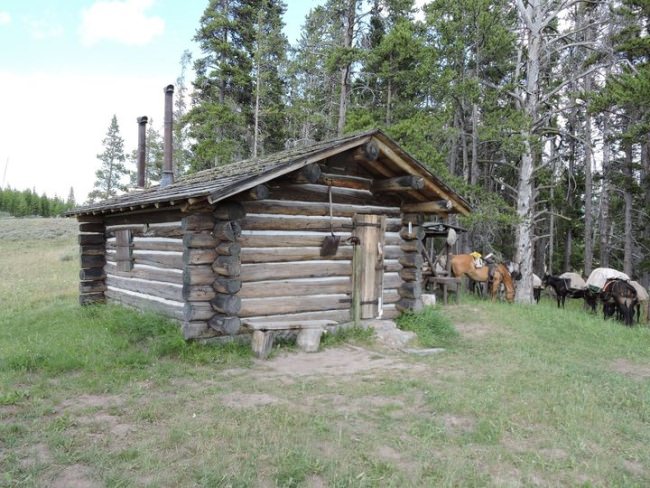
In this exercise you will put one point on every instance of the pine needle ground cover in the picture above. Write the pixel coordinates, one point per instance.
(521, 396)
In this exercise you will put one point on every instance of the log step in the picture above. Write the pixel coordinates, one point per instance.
(287, 324)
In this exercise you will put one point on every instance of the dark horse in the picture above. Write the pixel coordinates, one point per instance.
(619, 296)
(562, 288)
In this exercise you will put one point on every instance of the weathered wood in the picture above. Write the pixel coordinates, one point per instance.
(392, 280)
(91, 298)
(410, 274)
(390, 312)
(297, 287)
(227, 285)
(197, 329)
(290, 222)
(199, 256)
(225, 324)
(320, 193)
(145, 217)
(148, 272)
(357, 274)
(280, 271)
(200, 240)
(342, 315)
(391, 265)
(251, 307)
(227, 248)
(262, 343)
(390, 296)
(96, 250)
(157, 244)
(198, 293)
(368, 152)
(92, 261)
(163, 259)
(229, 211)
(405, 304)
(411, 260)
(227, 265)
(92, 286)
(167, 229)
(413, 218)
(197, 222)
(135, 229)
(197, 311)
(226, 230)
(169, 291)
(370, 231)
(90, 218)
(415, 232)
(94, 227)
(259, 192)
(436, 207)
(199, 274)
(288, 207)
(307, 174)
(141, 301)
(288, 324)
(285, 239)
(226, 304)
(398, 183)
(345, 181)
(90, 239)
(92, 274)
(284, 254)
(411, 246)
(411, 289)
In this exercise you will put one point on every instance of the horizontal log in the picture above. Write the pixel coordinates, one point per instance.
(411, 246)
(410, 274)
(226, 304)
(392, 266)
(163, 259)
(224, 324)
(92, 227)
(392, 280)
(411, 260)
(228, 286)
(291, 222)
(390, 312)
(416, 232)
(134, 228)
(345, 181)
(229, 211)
(436, 207)
(280, 271)
(90, 218)
(307, 174)
(92, 286)
(140, 301)
(167, 229)
(398, 183)
(200, 240)
(145, 217)
(228, 248)
(297, 287)
(147, 272)
(157, 244)
(320, 193)
(259, 192)
(197, 329)
(94, 250)
(226, 231)
(199, 274)
(90, 239)
(251, 238)
(285, 207)
(251, 307)
(342, 315)
(390, 296)
(289, 324)
(169, 291)
(392, 239)
(392, 252)
(198, 293)
(411, 289)
(227, 265)
(284, 254)
(92, 274)
(199, 256)
(404, 304)
(91, 298)
(92, 260)
(193, 311)
(413, 218)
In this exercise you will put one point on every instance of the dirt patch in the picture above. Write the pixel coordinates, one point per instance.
(339, 362)
(248, 400)
(315, 481)
(458, 423)
(628, 368)
(37, 454)
(475, 330)
(93, 401)
(634, 467)
(75, 476)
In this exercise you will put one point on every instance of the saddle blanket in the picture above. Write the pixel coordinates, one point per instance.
(599, 276)
(576, 282)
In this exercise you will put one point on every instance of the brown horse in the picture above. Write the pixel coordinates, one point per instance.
(463, 264)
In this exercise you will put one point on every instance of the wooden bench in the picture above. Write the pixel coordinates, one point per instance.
(447, 283)
(309, 334)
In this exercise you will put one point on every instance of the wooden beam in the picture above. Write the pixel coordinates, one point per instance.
(307, 174)
(399, 183)
(345, 181)
(435, 207)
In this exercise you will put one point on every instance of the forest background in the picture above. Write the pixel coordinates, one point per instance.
(536, 111)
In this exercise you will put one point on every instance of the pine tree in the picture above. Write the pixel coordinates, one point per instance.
(182, 153)
(112, 169)
(71, 202)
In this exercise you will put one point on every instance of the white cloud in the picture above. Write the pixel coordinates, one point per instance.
(43, 29)
(5, 18)
(120, 21)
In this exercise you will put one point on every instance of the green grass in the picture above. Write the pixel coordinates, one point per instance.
(521, 396)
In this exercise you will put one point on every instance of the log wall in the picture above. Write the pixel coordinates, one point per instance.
(92, 277)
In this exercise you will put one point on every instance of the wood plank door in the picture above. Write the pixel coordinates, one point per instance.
(368, 266)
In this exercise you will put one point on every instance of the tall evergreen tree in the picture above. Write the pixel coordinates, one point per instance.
(112, 169)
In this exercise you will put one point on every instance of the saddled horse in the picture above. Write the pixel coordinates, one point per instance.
(562, 288)
(463, 265)
(619, 295)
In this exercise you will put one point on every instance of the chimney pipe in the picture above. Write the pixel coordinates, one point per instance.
(168, 171)
(142, 142)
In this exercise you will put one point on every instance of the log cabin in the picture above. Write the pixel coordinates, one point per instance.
(304, 239)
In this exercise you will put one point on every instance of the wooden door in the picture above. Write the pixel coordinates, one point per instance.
(368, 266)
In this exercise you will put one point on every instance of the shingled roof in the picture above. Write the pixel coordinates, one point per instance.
(222, 182)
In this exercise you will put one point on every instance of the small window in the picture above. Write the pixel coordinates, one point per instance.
(124, 255)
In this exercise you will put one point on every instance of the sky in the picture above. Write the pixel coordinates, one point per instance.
(67, 66)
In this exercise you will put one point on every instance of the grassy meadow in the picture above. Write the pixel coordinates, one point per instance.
(103, 396)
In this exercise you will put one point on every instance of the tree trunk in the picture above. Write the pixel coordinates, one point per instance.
(589, 250)
(627, 197)
(348, 35)
(474, 171)
(603, 225)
